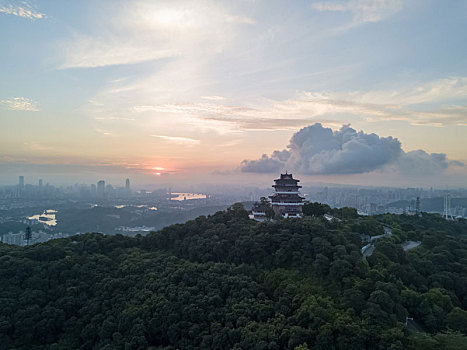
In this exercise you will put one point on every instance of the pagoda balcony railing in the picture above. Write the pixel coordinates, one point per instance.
(286, 185)
(287, 203)
(286, 197)
(287, 215)
(287, 192)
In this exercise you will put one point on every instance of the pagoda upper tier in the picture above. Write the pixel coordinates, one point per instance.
(286, 200)
(286, 185)
(286, 180)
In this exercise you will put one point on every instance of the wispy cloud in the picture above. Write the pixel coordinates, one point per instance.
(237, 117)
(89, 52)
(239, 19)
(178, 140)
(114, 118)
(232, 143)
(362, 11)
(213, 98)
(271, 123)
(21, 9)
(439, 102)
(445, 89)
(104, 132)
(195, 108)
(147, 31)
(20, 104)
(36, 146)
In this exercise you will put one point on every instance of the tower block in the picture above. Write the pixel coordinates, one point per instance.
(286, 200)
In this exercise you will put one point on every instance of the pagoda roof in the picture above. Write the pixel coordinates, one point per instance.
(285, 196)
(286, 176)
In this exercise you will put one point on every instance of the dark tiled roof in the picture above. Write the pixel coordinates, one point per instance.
(286, 178)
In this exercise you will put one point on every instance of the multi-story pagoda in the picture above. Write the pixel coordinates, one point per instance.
(286, 200)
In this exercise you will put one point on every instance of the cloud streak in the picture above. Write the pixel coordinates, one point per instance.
(21, 9)
(239, 19)
(436, 103)
(178, 140)
(88, 52)
(147, 31)
(362, 11)
(20, 104)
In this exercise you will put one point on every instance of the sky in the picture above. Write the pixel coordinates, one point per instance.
(370, 92)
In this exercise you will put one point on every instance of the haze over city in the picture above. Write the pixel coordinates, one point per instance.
(169, 92)
(249, 174)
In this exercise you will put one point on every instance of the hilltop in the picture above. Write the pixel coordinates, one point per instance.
(228, 282)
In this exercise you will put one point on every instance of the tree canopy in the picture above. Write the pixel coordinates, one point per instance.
(228, 282)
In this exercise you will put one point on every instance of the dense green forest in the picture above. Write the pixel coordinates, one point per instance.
(228, 282)
(107, 219)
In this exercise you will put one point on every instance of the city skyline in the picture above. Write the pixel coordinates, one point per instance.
(171, 92)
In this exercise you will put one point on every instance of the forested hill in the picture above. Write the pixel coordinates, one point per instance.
(227, 282)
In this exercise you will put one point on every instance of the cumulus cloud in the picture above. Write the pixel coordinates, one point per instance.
(20, 104)
(319, 150)
(21, 9)
(422, 163)
(266, 164)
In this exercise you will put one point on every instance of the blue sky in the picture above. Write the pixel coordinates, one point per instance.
(196, 87)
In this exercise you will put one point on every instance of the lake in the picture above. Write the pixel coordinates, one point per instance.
(180, 196)
(47, 217)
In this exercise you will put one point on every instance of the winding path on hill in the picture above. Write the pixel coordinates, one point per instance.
(370, 247)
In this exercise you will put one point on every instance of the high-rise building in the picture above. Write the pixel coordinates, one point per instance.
(40, 182)
(127, 185)
(21, 182)
(109, 190)
(286, 200)
(101, 188)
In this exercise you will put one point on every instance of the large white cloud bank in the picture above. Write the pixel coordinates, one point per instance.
(319, 150)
